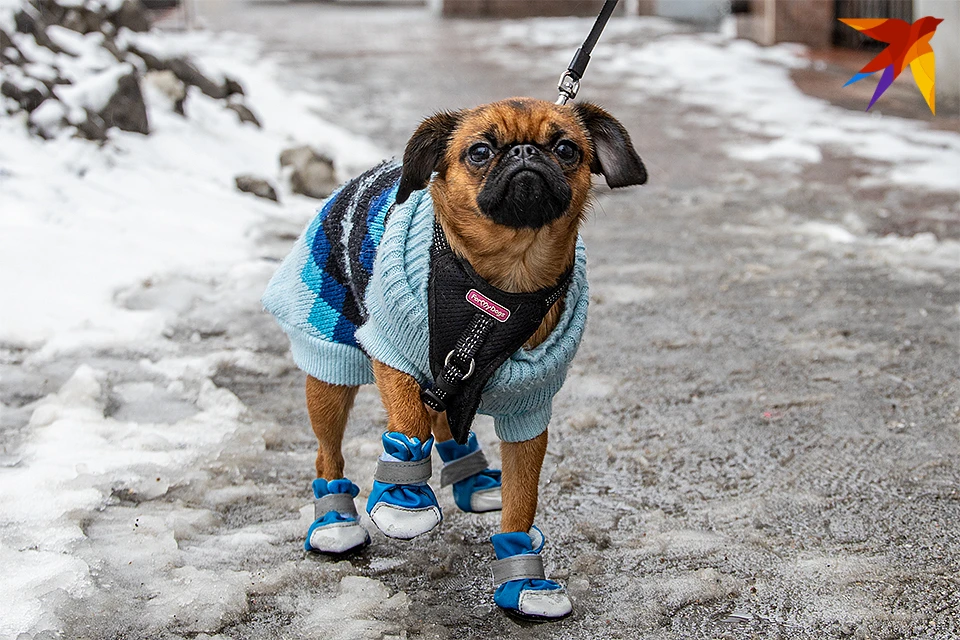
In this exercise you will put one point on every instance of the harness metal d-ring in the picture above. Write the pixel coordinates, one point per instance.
(470, 369)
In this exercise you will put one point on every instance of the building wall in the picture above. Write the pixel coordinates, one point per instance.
(693, 10)
(520, 8)
(809, 22)
(946, 45)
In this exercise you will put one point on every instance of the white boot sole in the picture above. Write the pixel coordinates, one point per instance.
(404, 524)
(486, 500)
(338, 537)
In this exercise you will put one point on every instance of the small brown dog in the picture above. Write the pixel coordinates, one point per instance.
(456, 281)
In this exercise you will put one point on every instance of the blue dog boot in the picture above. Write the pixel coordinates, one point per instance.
(522, 588)
(335, 528)
(402, 504)
(476, 488)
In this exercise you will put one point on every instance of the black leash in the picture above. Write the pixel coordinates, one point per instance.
(570, 80)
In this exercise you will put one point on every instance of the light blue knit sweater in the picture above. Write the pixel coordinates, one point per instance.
(518, 396)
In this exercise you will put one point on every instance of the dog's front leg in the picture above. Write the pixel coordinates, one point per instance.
(400, 394)
(402, 504)
(522, 587)
(476, 487)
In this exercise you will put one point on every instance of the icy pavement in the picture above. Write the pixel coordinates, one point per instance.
(759, 437)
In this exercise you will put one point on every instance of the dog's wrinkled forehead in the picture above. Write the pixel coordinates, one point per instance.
(520, 120)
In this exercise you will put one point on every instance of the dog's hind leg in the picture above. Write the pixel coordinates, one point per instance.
(521, 479)
(476, 487)
(328, 406)
(336, 528)
(522, 587)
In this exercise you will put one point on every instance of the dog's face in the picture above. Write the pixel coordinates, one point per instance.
(520, 163)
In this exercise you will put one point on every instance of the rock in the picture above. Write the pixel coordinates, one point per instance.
(132, 15)
(189, 74)
(25, 22)
(244, 113)
(313, 175)
(51, 12)
(257, 186)
(151, 61)
(28, 100)
(126, 109)
(74, 21)
(93, 127)
(32, 25)
(169, 85)
(232, 87)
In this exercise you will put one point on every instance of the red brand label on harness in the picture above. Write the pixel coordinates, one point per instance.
(487, 305)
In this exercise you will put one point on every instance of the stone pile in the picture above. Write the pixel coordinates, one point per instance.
(77, 65)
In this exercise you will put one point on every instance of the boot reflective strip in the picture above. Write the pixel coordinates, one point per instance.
(462, 468)
(339, 502)
(403, 472)
(528, 566)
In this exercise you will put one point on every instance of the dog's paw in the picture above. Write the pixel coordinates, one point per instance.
(523, 591)
(336, 537)
(543, 604)
(335, 528)
(403, 523)
(476, 488)
(402, 504)
(484, 500)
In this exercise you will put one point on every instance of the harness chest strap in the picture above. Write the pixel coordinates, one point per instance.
(496, 323)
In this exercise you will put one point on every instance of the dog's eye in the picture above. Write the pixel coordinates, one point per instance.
(480, 153)
(566, 151)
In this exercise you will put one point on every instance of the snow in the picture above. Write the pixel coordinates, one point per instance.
(104, 218)
(99, 246)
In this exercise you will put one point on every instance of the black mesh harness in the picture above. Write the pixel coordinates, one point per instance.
(474, 328)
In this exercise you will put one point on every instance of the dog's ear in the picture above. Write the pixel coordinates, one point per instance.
(425, 150)
(613, 153)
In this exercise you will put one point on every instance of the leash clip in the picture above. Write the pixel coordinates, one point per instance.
(568, 87)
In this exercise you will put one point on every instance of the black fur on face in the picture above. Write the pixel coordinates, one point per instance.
(524, 188)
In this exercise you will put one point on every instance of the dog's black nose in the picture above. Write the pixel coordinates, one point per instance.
(524, 151)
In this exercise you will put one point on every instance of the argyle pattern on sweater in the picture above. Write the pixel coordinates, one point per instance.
(344, 239)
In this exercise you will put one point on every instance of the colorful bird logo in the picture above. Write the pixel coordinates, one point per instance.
(907, 44)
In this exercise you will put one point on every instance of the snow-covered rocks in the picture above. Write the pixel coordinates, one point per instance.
(311, 174)
(257, 186)
(79, 67)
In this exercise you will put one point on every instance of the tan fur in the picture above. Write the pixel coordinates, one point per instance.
(521, 478)
(329, 406)
(515, 260)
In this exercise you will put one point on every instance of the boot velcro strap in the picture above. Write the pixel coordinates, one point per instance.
(462, 468)
(528, 566)
(339, 502)
(394, 472)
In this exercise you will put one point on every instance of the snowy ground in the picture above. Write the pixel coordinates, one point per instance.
(773, 455)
